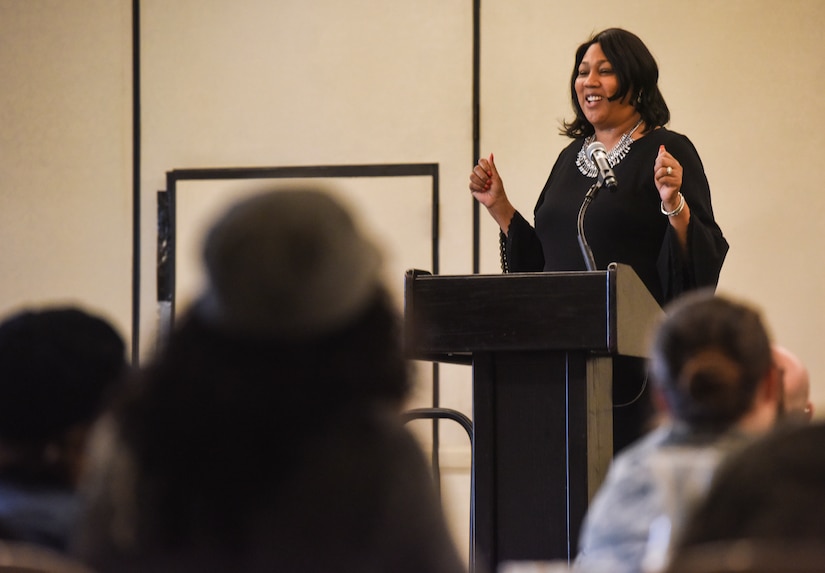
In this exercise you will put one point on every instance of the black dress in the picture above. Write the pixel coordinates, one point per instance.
(624, 226)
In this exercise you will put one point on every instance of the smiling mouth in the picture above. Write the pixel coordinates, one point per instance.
(593, 98)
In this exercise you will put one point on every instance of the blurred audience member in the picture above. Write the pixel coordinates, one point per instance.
(769, 496)
(266, 436)
(57, 367)
(713, 371)
(750, 557)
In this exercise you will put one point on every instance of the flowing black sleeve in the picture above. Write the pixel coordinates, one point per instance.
(521, 250)
(700, 266)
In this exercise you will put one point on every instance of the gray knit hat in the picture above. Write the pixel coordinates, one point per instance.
(287, 263)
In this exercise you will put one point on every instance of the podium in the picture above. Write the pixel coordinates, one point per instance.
(542, 347)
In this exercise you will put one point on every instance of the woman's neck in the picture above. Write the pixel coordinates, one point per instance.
(611, 136)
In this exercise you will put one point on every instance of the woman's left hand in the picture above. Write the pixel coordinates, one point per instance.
(667, 174)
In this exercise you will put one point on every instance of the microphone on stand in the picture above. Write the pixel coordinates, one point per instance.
(597, 153)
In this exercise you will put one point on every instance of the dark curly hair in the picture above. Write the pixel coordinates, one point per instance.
(57, 367)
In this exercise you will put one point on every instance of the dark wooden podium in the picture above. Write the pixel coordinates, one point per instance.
(542, 347)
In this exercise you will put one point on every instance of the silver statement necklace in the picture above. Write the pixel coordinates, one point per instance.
(589, 169)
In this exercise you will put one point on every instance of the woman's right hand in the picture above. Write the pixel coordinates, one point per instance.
(485, 183)
(488, 189)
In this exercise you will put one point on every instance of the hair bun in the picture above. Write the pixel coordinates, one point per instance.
(712, 380)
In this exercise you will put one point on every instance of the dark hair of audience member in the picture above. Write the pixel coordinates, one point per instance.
(58, 367)
(708, 359)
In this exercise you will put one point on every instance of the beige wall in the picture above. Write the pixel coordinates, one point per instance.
(260, 83)
(65, 155)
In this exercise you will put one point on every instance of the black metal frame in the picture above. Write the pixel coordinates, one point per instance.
(166, 259)
(166, 255)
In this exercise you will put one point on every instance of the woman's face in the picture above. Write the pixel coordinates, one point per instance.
(595, 83)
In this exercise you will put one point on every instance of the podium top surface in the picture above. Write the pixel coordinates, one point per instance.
(609, 312)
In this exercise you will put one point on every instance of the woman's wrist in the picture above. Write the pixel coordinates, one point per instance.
(671, 210)
(502, 215)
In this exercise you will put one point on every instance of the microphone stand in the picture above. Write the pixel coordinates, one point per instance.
(589, 262)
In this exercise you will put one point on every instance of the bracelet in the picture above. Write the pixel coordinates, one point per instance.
(677, 210)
